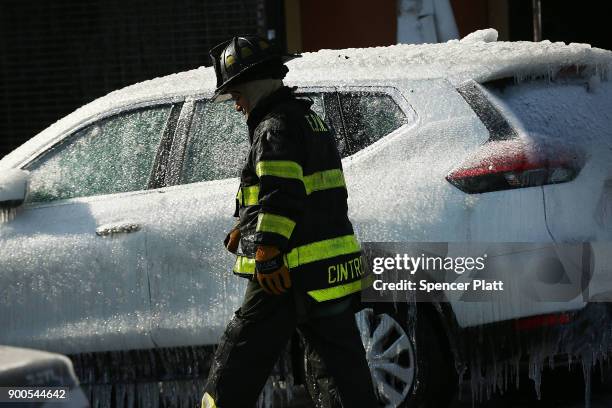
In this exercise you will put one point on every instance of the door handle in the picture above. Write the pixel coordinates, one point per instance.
(111, 229)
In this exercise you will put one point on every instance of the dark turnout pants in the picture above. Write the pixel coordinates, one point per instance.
(259, 332)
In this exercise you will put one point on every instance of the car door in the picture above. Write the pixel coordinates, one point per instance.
(73, 272)
(368, 115)
(193, 290)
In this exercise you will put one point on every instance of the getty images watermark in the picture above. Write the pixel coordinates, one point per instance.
(486, 272)
(411, 265)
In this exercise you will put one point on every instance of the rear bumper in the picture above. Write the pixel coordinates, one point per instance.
(554, 340)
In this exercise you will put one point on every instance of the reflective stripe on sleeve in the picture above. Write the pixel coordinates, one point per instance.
(208, 401)
(249, 195)
(321, 180)
(321, 295)
(324, 180)
(279, 168)
(276, 224)
(320, 250)
(244, 265)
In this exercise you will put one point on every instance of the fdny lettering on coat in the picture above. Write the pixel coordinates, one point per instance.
(315, 122)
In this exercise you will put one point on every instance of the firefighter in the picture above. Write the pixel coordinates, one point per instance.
(294, 241)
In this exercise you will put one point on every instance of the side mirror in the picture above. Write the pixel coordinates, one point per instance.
(13, 188)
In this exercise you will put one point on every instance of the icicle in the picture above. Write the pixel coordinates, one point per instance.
(460, 375)
(120, 396)
(587, 364)
(7, 214)
(535, 373)
(517, 372)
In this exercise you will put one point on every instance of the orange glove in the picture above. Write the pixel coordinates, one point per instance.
(232, 239)
(270, 269)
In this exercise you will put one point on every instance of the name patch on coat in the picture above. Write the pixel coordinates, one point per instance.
(348, 270)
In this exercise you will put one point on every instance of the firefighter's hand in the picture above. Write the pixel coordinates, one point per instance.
(272, 275)
(271, 282)
(232, 239)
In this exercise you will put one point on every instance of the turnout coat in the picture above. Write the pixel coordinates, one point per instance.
(293, 196)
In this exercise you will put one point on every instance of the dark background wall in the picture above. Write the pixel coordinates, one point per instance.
(567, 21)
(59, 55)
(471, 15)
(348, 23)
(586, 22)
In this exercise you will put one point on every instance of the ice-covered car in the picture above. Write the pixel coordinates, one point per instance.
(34, 379)
(116, 259)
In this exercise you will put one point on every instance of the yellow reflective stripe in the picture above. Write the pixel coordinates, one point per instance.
(325, 249)
(279, 168)
(250, 195)
(324, 180)
(246, 52)
(336, 292)
(244, 265)
(208, 401)
(321, 180)
(276, 224)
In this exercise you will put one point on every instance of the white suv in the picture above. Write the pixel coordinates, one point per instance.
(116, 258)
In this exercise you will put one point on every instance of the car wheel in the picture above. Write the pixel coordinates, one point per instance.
(391, 356)
(405, 375)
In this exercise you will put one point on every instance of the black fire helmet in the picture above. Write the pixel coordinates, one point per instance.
(246, 58)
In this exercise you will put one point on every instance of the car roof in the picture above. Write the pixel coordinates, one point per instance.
(478, 56)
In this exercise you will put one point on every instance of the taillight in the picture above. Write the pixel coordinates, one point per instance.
(535, 322)
(509, 164)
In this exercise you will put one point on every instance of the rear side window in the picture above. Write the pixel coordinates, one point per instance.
(218, 140)
(318, 105)
(556, 111)
(113, 155)
(495, 122)
(541, 132)
(217, 143)
(367, 117)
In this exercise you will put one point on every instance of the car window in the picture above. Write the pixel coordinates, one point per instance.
(496, 123)
(559, 111)
(368, 116)
(217, 143)
(113, 155)
(317, 102)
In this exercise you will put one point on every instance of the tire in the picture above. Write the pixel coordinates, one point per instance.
(402, 377)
